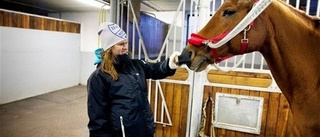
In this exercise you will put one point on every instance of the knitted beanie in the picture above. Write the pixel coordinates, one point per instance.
(110, 34)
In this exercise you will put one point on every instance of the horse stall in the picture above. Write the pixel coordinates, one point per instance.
(237, 97)
(47, 50)
(234, 98)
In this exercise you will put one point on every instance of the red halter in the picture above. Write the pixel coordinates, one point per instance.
(198, 40)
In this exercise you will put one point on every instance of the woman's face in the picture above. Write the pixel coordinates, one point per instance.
(120, 48)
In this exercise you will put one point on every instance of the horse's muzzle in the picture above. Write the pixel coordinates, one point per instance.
(185, 57)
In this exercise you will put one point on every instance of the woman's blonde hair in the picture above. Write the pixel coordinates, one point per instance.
(107, 64)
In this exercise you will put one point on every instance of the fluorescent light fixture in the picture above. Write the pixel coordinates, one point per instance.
(96, 3)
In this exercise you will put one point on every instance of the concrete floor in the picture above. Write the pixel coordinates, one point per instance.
(61, 113)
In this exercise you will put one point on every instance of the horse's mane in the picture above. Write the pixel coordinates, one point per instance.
(302, 14)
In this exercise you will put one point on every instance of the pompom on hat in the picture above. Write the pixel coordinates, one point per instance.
(110, 34)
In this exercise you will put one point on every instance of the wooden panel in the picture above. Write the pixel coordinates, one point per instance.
(183, 110)
(272, 116)
(240, 78)
(181, 74)
(275, 116)
(276, 120)
(176, 114)
(265, 111)
(28, 21)
(283, 115)
(176, 97)
(169, 95)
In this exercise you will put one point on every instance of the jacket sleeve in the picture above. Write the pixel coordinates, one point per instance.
(158, 70)
(97, 106)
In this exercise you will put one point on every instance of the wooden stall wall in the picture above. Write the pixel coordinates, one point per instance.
(177, 99)
(28, 21)
(276, 116)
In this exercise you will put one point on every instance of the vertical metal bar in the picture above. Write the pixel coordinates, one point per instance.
(288, 1)
(183, 27)
(149, 90)
(213, 10)
(189, 115)
(174, 37)
(244, 62)
(226, 63)
(297, 4)
(196, 88)
(261, 62)
(139, 50)
(118, 12)
(121, 14)
(308, 7)
(252, 61)
(167, 50)
(133, 38)
(113, 10)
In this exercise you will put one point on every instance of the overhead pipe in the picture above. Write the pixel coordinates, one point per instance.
(114, 11)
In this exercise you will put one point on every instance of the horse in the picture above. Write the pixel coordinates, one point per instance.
(287, 38)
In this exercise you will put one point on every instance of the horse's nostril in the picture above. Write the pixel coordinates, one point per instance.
(192, 54)
(185, 57)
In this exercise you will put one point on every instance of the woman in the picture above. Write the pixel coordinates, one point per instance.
(117, 92)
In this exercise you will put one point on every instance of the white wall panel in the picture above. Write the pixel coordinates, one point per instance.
(35, 62)
(89, 27)
(87, 66)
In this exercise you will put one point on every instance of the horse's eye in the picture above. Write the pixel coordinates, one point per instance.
(228, 12)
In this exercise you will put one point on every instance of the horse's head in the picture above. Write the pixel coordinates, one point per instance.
(223, 21)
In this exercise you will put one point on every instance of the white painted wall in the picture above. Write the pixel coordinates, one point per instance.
(87, 67)
(89, 25)
(35, 62)
(89, 39)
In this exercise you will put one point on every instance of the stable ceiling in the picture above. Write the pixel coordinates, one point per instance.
(49, 6)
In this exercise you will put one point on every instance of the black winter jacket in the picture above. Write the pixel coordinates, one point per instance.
(109, 100)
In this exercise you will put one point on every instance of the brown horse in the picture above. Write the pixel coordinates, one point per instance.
(288, 39)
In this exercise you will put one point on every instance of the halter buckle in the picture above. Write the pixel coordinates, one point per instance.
(244, 40)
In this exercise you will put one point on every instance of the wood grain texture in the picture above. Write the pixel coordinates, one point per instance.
(28, 21)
